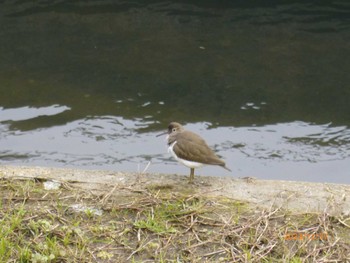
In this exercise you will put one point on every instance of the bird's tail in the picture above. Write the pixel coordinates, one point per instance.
(225, 167)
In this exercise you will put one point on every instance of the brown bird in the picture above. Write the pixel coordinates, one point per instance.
(190, 149)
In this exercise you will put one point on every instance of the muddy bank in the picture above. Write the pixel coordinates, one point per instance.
(296, 196)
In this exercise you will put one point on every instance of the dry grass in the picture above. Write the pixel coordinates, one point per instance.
(158, 225)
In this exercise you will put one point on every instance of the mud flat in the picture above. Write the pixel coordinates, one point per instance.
(296, 196)
(72, 215)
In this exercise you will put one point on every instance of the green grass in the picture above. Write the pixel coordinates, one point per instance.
(156, 225)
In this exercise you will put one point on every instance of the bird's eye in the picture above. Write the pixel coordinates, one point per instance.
(174, 129)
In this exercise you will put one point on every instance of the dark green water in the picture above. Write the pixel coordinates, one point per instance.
(89, 84)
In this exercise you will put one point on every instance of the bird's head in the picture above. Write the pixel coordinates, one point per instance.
(173, 128)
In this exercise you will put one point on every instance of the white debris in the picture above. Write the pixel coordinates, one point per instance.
(52, 185)
(86, 209)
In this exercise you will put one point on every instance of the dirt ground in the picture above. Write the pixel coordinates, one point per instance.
(295, 196)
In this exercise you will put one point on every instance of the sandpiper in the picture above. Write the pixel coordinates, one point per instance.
(190, 149)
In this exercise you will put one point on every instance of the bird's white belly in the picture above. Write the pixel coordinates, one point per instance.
(187, 163)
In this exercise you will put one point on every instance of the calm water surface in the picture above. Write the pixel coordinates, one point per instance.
(88, 84)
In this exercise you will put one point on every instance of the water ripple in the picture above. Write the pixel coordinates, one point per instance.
(296, 150)
(26, 113)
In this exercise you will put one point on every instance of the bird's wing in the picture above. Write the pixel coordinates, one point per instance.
(192, 147)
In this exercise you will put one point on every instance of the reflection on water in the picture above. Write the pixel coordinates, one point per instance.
(281, 151)
(89, 84)
(27, 113)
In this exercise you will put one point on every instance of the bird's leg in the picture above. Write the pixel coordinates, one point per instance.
(192, 176)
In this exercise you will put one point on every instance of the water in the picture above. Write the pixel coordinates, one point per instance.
(89, 84)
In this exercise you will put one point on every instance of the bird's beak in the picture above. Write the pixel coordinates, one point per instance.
(162, 134)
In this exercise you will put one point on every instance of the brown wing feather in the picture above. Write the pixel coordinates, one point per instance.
(192, 147)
